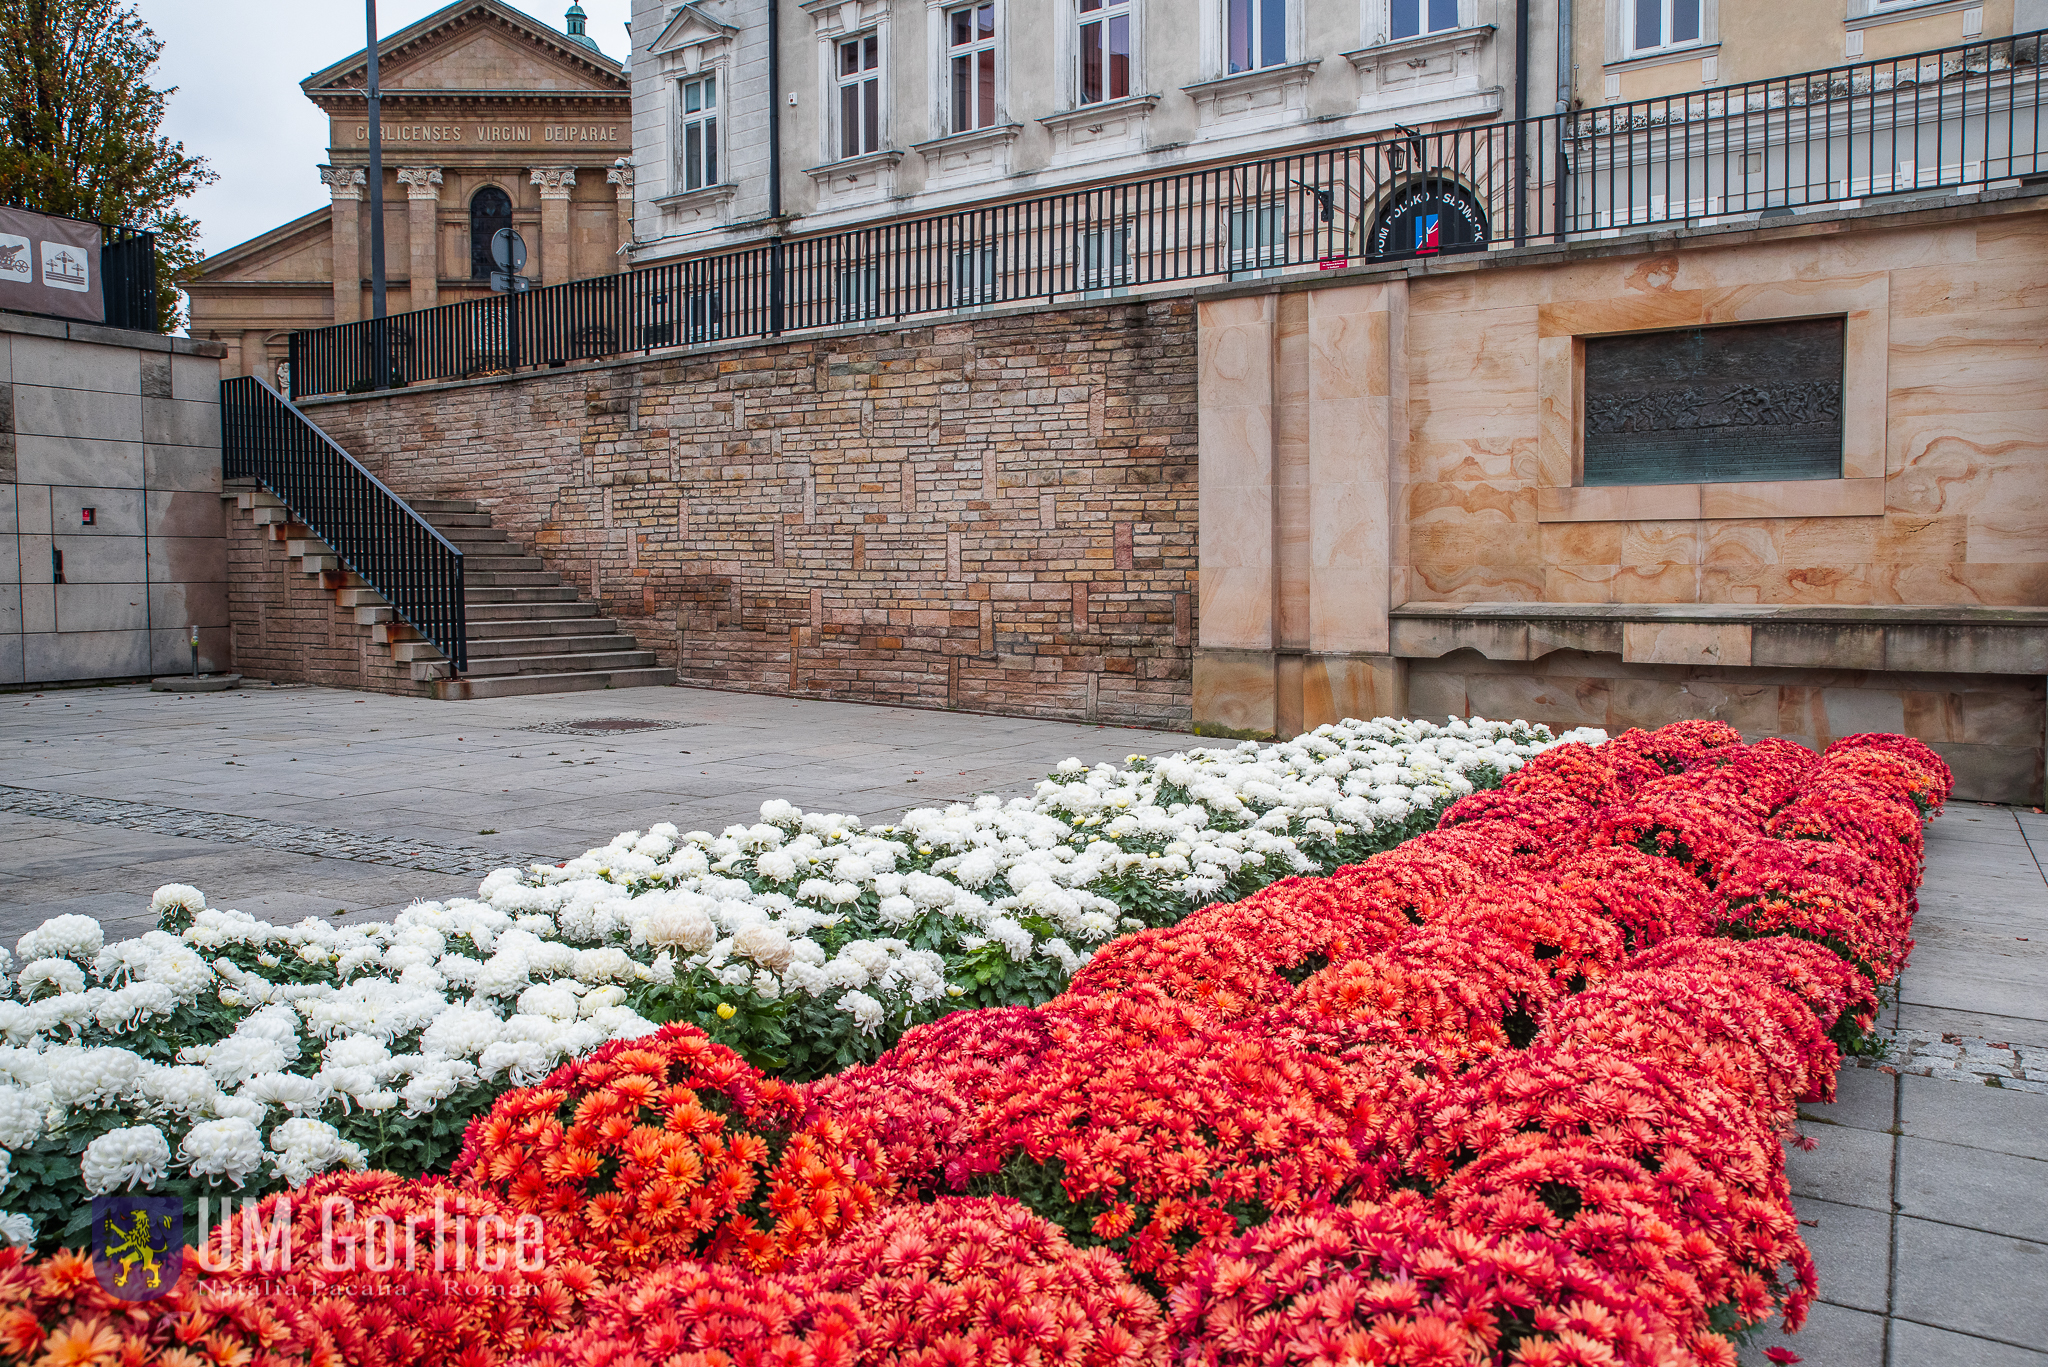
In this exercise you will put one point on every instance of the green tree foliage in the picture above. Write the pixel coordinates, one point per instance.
(79, 129)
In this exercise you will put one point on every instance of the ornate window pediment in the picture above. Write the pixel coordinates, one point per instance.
(691, 36)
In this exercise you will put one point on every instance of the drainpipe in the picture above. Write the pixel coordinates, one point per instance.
(1522, 120)
(382, 365)
(776, 296)
(1564, 56)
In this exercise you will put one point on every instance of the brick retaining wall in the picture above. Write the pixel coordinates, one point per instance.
(286, 627)
(995, 513)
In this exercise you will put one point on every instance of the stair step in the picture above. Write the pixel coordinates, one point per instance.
(563, 662)
(445, 505)
(477, 613)
(493, 563)
(465, 537)
(445, 521)
(593, 644)
(559, 593)
(512, 579)
(514, 628)
(524, 685)
(407, 651)
(313, 564)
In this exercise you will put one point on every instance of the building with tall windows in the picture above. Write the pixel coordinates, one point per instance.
(885, 109)
(490, 119)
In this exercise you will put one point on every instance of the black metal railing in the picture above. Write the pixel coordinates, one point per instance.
(1953, 118)
(128, 282)
(392, 548)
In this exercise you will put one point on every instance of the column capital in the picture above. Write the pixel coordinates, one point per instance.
(621, 176)
(343, 182)
(555, 181)
(421, 182)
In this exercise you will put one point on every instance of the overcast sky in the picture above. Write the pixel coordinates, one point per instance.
(237, 65)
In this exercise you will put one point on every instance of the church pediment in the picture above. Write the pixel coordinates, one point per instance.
(473, 45)
(692, 25)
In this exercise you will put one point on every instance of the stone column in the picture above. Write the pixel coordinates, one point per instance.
(345, 184)
(556, 184)
(621, 179)
(422, 229)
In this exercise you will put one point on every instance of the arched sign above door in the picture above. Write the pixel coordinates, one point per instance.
(1426, 217)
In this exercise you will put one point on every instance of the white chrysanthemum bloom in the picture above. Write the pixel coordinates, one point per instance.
(1015, 940)
(609, 964)
(461, 1032)
(865, 1010)
(185, 1091)
(977, 867)
(82, 1079)
(896, 912)
(307, 1148)
(598, 999)
(181, 895)
(17, 1229)
(130, 1006)
(62, 937)
(22, 1112)
(229, 1148)
(764, 944)
(122, 1158)
(551, 1000)
(62, 975)
(1070, 765)
(299, 1095)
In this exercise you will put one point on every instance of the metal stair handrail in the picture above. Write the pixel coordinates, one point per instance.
(372, 530)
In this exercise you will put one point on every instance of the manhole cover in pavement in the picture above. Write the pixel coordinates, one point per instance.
(608, 726)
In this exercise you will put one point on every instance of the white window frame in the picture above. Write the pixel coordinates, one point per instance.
(1260, 58)
(1383, 29)
(1104, 265)
(857, 292)
(972, 275)
(1622, 28)
(947, 52)
(837, 83)
(1266, 248)
(685, 118)
(703, 315)
(1109, 10)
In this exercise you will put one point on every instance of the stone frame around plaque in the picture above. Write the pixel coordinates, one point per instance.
(1863, 301)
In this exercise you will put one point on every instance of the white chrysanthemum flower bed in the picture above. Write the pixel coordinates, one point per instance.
(224, 1054)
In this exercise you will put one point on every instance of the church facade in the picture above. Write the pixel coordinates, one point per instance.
(489, 119)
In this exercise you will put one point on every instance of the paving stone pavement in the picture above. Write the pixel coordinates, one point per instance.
(1925, 1200)
(288, 802)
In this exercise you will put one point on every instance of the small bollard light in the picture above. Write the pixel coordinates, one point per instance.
(195, 650)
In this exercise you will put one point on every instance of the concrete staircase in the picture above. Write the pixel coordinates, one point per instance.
(528, 632)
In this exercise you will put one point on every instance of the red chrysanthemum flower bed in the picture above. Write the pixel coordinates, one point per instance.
(1514, 1092)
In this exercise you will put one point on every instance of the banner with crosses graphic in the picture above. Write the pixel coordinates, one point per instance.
(50, 265)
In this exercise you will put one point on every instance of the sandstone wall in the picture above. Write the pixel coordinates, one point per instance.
(1394, 517)
(993, 513)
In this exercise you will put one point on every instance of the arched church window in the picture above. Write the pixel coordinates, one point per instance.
(489, 210)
